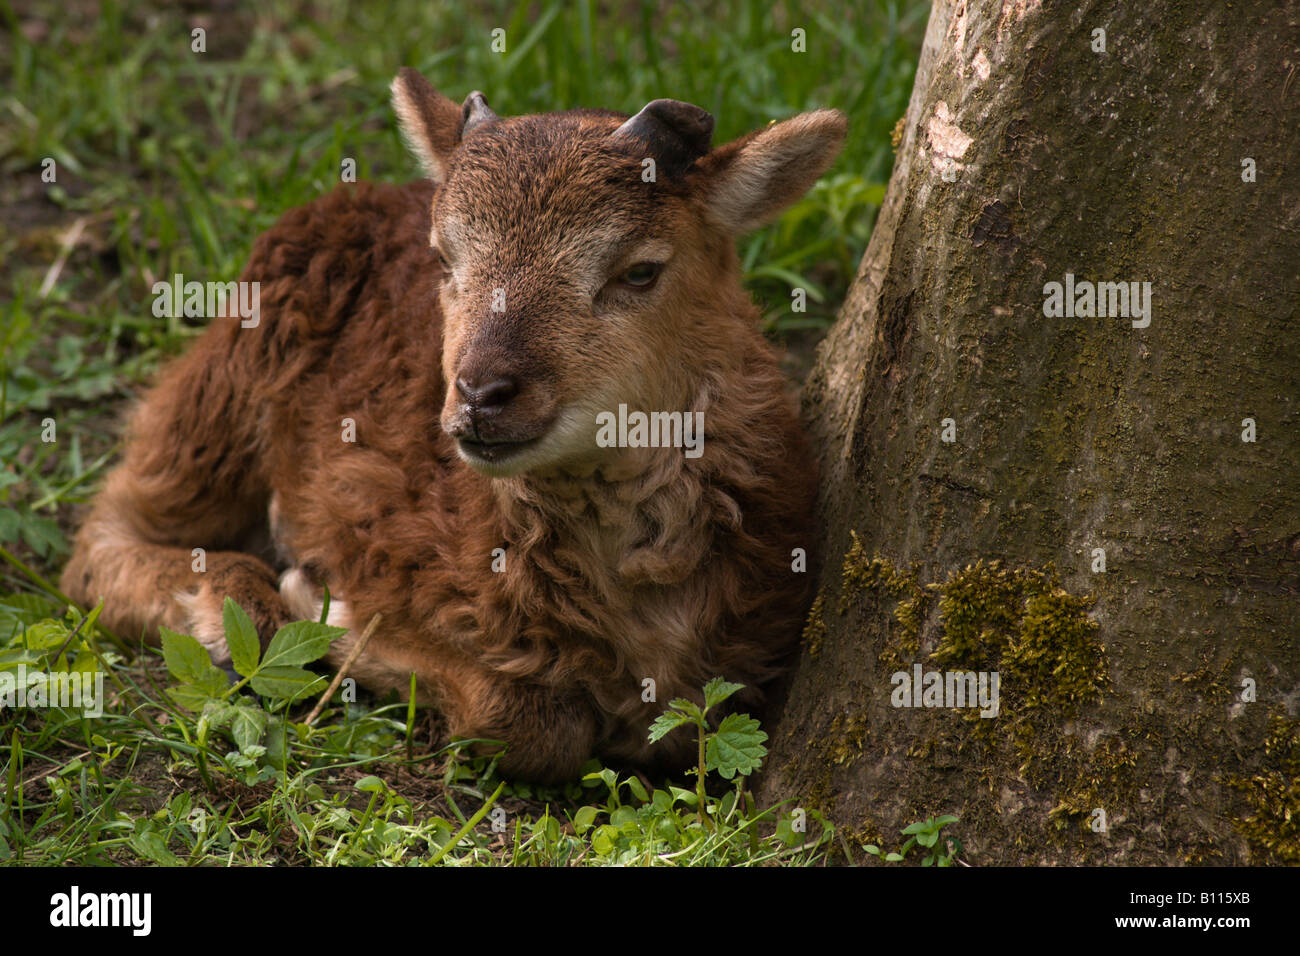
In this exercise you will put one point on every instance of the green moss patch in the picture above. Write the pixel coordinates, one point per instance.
(1020, 622)
(1273, 828)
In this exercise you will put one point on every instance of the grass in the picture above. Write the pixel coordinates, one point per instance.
(179, 769)
(166, 160)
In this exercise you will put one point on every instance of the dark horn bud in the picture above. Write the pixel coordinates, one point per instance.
(675, 133)
(475, 111)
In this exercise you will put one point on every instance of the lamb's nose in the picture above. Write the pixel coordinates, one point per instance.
(493, 393)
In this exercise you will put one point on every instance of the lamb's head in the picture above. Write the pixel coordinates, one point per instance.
(586, 259)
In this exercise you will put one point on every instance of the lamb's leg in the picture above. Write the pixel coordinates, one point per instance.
(144, 585)
(162, 545)
(550, 734)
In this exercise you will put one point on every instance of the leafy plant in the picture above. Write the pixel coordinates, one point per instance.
(929, 835)
(277, 676)
(736, 747)
(685, 827)
(34, 646)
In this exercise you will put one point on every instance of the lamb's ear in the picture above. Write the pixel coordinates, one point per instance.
(749, 181)
(430, 123)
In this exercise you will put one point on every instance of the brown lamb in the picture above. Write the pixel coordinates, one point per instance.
(412, 421)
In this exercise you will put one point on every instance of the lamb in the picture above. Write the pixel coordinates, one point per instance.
(412, 422)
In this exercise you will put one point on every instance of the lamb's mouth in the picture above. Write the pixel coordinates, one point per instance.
(500, 450)
(493, 451)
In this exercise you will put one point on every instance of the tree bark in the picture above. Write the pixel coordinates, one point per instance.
(1127, 730)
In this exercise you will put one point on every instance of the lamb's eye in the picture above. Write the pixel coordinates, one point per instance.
(642, 275)
(442, 260)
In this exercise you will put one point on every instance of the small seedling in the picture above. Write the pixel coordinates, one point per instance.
(735, 747)
(927, 834)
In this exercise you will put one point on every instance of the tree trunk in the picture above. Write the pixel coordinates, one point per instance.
(1147, 711)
